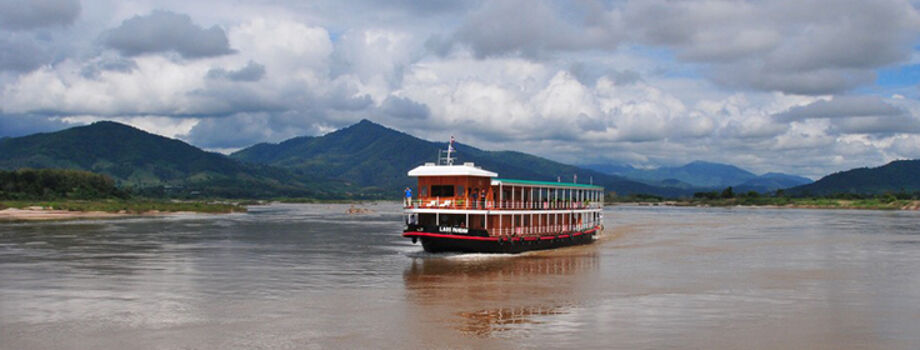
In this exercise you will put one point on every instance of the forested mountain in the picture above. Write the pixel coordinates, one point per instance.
(373, 156)
(705, 175)
(897, 176)
(142, 160)
(771, 182)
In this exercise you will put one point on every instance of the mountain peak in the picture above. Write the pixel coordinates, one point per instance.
(108, 127)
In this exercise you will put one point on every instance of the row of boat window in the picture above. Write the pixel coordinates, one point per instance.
(448, 191)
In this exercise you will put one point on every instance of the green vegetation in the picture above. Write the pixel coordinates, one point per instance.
(57, 184)
(156, 166)
(727, 198)
(374, 160)
(76, 190)
(902, 176)
(365, 161)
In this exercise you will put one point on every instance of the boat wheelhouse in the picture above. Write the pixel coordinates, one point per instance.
(464, 208)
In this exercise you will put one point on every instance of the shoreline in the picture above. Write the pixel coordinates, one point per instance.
(12, 211)
(19, 215)
(839, 205)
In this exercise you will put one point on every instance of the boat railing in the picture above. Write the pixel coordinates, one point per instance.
(541, 230)
(461, 203)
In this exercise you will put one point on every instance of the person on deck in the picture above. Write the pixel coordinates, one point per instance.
(408, 197)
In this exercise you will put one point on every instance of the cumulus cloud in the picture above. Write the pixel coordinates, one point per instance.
(811, 47)
(96, 67)
(32, 14)
(405, 108)
(166, 31)
(841, 106)
(251, 72)
(644, 82)
(532, 28)
(855, 115)
(887, 125)
(13, 125)
(21, 53)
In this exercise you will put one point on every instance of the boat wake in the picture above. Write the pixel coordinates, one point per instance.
(458, 256)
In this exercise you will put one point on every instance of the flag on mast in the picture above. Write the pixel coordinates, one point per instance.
(450, 146)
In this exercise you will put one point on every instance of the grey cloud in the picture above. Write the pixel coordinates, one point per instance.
(164, 31)
(587, 75)
(341, 101)
(429, 6)
(817, 82)
(230, 132)
(587, 123)
(245, 129)
(31, 14)
(111, 64)
(883, 125)
(251, 72)
(20, 53)
(404, 108)
(799, 47)
(14, 125)
(841, 106)
(529, 28)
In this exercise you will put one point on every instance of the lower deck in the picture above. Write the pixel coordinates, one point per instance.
(502, 223)
(440, 242)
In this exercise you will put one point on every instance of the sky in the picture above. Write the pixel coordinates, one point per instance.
(802, 87)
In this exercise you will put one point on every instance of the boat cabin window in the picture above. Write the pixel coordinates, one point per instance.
(423, 192)
(460, 191)
(442, 190)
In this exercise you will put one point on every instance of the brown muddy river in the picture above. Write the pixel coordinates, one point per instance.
(311, 276)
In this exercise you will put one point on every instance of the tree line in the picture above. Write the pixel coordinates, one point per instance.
(51, 184)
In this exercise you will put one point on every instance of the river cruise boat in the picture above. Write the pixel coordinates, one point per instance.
(464, 208)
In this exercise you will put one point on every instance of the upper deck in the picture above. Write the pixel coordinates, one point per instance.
(468, 187)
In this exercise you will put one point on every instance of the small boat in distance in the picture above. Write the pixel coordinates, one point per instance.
(464, 208)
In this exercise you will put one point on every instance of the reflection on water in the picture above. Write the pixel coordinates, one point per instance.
(488, 322)
(313, 276)
(491, 294)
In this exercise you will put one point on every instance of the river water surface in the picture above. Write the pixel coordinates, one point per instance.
(311, 276)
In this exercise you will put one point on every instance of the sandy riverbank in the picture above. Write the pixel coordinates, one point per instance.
(43, 214)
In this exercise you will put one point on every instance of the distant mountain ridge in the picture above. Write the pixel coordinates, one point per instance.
(367, 154)
(142, 160)
(707, 175)
(364, 160)
(897, 176)
(368, 160)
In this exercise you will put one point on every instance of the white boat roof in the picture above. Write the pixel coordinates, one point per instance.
(467, 169)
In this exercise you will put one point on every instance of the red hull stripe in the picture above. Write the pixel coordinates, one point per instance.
(477, 238)
(439, 235)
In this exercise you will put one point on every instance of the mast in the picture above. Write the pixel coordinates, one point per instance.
(444, 157)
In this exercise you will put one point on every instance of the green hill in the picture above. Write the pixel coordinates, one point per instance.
(377, 158)
(771, 182)
(153, 163)
(701, 176)
(698, 173)
(897, 176)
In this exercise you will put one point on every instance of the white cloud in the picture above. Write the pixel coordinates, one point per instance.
(644, 82)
